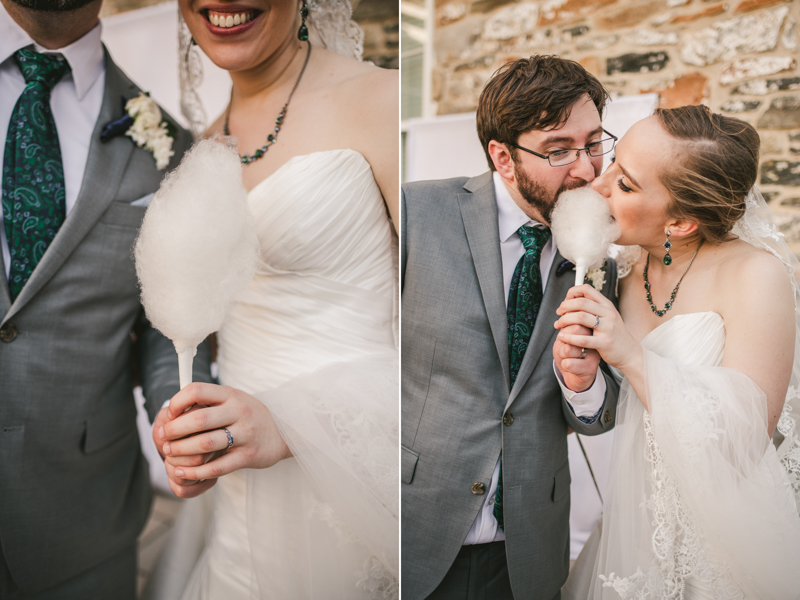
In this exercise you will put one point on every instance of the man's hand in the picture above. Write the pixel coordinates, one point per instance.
(578, 373)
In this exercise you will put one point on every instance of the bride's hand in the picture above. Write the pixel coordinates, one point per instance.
(582, 306)
(257, 442)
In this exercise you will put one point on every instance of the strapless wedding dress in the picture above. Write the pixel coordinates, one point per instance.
(698, 504)
(313, 338)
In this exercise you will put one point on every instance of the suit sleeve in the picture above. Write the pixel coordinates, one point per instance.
(607, 415)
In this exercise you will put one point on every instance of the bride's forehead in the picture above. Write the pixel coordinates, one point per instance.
(645, 138)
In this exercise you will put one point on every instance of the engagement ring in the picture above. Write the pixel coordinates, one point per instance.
(230, 438)
(583, 353)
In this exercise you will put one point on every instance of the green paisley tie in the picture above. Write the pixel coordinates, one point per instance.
(33, 175)
(524, 300)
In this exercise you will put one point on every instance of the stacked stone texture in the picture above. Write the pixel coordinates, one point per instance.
(739, 58)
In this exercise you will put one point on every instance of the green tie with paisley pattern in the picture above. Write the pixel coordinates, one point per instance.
(524, 300)
(34, 199)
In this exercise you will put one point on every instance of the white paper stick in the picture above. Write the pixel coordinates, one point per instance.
(185, 360)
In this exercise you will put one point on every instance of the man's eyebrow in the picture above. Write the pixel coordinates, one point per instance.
(553, 139)
(628, 175)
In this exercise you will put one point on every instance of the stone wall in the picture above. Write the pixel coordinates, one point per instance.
(739, 58)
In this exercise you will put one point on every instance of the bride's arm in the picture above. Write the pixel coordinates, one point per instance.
(756, 305)
(372, 116)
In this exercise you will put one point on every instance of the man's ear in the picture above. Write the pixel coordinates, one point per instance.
(503, 163)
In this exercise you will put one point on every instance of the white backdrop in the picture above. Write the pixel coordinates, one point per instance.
(448, 146)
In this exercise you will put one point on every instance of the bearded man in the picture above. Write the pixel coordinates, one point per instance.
(486, 398)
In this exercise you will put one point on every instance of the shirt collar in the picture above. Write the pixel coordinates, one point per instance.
(510, 216)
(85, 56)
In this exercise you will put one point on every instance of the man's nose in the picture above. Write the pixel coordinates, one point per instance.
(583, 167)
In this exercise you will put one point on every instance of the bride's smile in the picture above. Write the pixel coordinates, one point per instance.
(229, 19)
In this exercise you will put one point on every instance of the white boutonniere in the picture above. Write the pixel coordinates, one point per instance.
(149, 130)
(597, 277)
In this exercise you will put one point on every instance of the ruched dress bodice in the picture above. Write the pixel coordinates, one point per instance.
(323, 289)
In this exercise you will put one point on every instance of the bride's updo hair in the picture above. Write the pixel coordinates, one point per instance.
(716, 164)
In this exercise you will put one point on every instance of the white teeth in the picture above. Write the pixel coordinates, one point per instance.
(225, 21)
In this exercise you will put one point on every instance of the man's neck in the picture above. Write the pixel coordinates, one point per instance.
(55, 29)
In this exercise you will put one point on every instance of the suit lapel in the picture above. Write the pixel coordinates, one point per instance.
(479, 214)
(543, 330)
(105, 167)
(5, 293)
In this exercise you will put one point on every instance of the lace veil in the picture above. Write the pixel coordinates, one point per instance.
(330, 24)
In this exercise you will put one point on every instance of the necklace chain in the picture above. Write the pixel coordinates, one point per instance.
(272, 138)
(668, 305)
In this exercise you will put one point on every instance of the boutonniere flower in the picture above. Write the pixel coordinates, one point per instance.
(144, 125)
(597, 277)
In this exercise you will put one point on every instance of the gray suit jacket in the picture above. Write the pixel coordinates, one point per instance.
(458, 410)
(74, 486)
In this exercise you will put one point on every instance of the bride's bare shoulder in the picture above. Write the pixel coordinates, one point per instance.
(358, 83)
(748, 270)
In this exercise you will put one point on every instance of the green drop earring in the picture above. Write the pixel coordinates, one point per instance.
(667, 245)
(302, 33)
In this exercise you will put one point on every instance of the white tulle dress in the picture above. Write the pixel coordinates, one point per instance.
(313, 338)
(698, 504)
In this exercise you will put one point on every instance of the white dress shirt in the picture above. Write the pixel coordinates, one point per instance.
(75, 102)
(585, 404)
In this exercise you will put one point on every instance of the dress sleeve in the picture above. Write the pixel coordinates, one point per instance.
(708, 426)
(342, 426)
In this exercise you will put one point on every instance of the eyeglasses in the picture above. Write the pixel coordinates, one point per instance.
(559, 158)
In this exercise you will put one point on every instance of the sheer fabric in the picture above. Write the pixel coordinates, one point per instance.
(698, 502)
(312, 338)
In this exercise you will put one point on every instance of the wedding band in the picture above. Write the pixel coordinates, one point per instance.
(597, 323)
(230, 438)
(583, 353)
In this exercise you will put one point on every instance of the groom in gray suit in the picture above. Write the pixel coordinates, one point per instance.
(488, 392)
(74, 486)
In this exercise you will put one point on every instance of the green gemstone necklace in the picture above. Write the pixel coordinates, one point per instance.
(668, 305)
(272, 138)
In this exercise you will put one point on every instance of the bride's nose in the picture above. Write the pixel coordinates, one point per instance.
(601, 184)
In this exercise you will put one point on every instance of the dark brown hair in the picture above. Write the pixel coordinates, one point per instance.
(533, 93)
(717, 165)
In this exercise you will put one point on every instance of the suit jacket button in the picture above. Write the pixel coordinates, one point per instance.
(607, 416)
(8, 333)
(508, 419)
(478, 489)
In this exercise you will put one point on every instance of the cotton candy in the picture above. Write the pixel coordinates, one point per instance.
(583, 229)
(197, 248)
